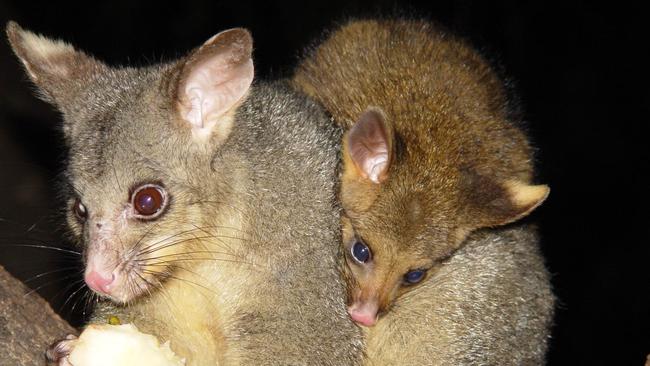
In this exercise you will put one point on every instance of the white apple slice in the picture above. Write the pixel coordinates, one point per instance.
(123, 345)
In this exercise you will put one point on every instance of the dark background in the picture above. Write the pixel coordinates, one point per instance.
(580, 70)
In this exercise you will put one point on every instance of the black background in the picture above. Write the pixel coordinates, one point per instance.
(580, 70)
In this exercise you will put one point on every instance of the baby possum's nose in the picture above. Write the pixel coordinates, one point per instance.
(100, 282)
(364, 313)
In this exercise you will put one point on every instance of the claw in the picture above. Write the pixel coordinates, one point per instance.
(57, 353)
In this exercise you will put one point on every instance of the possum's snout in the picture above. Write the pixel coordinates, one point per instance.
(107, 275)
(100, 283)
(364, 313)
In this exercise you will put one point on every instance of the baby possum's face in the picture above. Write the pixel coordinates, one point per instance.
(395, 244)
(409, 205)
(380, 269)
(142, 173)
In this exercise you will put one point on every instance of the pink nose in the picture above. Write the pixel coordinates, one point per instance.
(364, 314)
(98, 283)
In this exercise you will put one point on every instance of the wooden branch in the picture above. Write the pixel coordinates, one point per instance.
(27, 324)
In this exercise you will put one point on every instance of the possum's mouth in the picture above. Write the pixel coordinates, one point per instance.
(151, 262)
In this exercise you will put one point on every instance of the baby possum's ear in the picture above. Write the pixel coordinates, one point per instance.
(368, 147)
(214, 80)
(496, 204)
(367, 157)
(54, 66)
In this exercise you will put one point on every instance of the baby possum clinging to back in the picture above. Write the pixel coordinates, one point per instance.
(204, 205)
(429, 155)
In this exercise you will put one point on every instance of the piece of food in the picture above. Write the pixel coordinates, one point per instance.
(123, 345)
(113, 320)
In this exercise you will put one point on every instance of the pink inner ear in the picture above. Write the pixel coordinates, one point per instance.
(369, 146)
(215, 80)
(213, 88)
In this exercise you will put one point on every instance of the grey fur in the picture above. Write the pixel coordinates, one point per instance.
(278, 277)
(489, 304)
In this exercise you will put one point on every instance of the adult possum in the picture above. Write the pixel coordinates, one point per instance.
(205, 206)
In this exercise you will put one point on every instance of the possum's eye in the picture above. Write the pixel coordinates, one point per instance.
(80, 210)
(360, 252)
(149, 200)
(415, 276)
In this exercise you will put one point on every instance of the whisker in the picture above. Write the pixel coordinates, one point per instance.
(221, 241)
(48, 283)
(161, 263)
(89, 296)
(66, 289)
(72, 295)
(164, 246)
(80, 298)
(153, 273)
(33, 228)
(187, 232)
(163, 292)
(49, 272)
(167, 238)
(69, 251)
(133, 251)
(181, 241)
(182, 254)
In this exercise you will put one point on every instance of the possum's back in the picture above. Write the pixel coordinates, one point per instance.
(433, 88)
(394, 64)
(293, 152)
(292, 149)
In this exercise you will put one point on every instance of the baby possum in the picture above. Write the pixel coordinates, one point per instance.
(431, 163)
(489, 304)
(205, 206)
(429, 156)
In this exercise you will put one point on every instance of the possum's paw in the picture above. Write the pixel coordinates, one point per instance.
(57, 353)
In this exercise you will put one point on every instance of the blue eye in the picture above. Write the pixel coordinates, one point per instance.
(360, 252)
(413, 277)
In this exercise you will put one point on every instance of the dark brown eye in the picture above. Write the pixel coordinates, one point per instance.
(148, 200)
(80, 210)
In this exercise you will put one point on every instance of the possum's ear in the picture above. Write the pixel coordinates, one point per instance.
(214, 80)
(494, 204)
(54, 66)
(368, 147)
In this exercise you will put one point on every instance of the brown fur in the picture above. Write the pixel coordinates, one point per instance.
(456, 164)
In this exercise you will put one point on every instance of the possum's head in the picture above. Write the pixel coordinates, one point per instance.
(141, 144)
(408, 205)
